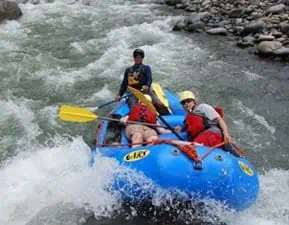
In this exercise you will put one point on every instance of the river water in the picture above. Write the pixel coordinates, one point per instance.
(68, 52)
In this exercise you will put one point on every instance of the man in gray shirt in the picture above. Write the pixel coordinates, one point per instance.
(203, 123)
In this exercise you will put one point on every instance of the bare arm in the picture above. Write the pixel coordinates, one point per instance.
(124, 119)
(163, 130)
(225, 130)
(186, 143)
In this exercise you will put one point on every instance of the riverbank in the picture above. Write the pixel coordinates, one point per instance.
(262, 27)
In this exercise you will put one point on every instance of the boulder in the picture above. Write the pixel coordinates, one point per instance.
(244, 44)
(253, 27)
(282, 39)
(238, 30)
(236, 13)
(249, 38)
(9, 11)
(173, 2)
(205, 2)
(276, 9)
(196, 27)
(281, 52)
(266, 38)
(268, 47)
(217, 31)
(276, 34)
(35, 2)
(20, 1)
(284, 27)
(193, 18)
(180, 25)
(194, 23)
(204, 15)
(181, 6)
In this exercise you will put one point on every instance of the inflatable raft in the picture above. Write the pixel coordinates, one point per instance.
(222, 176)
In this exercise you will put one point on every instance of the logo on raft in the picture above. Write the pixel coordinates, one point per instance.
(247, 170)
(136, 155)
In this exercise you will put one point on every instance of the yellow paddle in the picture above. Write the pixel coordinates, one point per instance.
(158, 90)
(81, 115)
(147, 102)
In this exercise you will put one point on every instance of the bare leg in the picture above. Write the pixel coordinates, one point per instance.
(152, 139)
(136, 138)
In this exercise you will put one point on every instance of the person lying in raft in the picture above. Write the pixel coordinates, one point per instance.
(203, 124)
(140, 133)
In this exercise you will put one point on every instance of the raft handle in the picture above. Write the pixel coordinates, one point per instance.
(219, 158)
(198, 165)
(175, 152)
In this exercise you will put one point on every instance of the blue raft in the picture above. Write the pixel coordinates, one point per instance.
(228, 179)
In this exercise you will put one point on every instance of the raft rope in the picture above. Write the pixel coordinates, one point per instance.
(128, 144)
(188, 149)
(211, 149)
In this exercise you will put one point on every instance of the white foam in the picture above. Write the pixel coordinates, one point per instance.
(250, 113)
(253, 76)
(19, 109)
(49, 114)
(79, 47)
(50, 176)
(218, 64)
(103, 94)
(8, 46)
(272, 205)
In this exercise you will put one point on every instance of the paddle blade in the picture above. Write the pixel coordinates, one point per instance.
(161, 95)
(75, 114)
(143, 99)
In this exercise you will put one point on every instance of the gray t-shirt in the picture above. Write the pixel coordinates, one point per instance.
(206, 111)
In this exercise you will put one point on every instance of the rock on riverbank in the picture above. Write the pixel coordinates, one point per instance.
(9, 10)
(263, 25)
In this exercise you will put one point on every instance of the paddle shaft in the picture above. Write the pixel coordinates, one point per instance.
(103, 105)
(129, 121)
(108, 103)
(171, 129)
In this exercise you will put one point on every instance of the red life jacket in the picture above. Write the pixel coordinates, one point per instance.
(195, 124)
(220, 111)
(142, 113)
